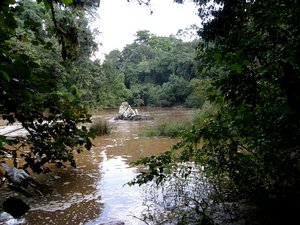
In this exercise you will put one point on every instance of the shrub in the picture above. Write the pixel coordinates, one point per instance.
(101, 127)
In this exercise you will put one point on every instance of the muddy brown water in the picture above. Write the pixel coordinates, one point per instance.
(94, 192)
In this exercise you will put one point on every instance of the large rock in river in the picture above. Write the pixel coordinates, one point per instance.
(127, 113)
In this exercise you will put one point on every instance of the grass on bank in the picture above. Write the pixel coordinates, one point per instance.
(167, 129)
(176, 128)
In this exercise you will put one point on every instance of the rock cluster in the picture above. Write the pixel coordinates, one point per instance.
(127, 113)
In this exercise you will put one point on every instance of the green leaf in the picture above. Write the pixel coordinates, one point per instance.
(246, 62)
(47, 4)
(238, 68)
(10, 2)
(2, 140)
(67, 2)
(5, 75)
(217, 57)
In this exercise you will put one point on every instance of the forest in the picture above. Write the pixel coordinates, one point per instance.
(244, 65)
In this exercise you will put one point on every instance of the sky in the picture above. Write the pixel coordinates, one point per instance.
(119, 20)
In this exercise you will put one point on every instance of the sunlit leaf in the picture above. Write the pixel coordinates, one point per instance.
(67, 2)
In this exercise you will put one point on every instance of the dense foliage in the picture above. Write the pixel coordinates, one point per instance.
(251, 146)
(160, 71)
(36, 50)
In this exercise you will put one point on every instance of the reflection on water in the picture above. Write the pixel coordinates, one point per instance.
(94, 192)
(120, 201)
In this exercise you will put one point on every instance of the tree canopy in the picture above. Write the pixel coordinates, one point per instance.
(156, 67)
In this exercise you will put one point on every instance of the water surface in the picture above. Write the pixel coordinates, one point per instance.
(94, 192)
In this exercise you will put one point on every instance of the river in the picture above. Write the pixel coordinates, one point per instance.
(94, 192)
